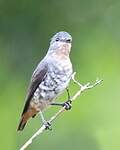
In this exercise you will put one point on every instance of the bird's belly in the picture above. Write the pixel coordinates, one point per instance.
(51, 87)
(47, 92)
(53, 84)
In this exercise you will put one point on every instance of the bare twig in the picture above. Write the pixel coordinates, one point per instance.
(42, 128)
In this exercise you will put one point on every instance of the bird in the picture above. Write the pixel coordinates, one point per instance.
(50, 79)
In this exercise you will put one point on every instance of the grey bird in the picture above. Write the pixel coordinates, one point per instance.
(50, 79)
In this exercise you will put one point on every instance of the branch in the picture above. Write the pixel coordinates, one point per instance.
(82, 88)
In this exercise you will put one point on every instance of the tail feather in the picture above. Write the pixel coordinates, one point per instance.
(30, 113)
(21, 125)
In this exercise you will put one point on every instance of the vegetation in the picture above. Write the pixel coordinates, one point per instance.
(25, 31)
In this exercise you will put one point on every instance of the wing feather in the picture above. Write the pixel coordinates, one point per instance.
(37, 78)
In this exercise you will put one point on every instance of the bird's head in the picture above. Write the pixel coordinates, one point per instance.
(61, 41)
(61, 36)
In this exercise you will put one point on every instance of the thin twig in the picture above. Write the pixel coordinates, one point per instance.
(42, 128)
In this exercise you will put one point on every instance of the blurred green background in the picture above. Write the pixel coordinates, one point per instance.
(26, 27)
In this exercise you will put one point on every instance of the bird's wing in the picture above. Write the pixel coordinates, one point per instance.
(37, 78)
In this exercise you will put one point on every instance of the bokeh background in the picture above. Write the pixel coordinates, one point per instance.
(26, 27)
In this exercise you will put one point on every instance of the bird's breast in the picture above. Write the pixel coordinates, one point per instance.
(60, 73)
(54, 83)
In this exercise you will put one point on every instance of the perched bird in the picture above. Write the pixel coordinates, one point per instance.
(50, 79)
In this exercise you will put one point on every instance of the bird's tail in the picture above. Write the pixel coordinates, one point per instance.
(24, 119)
(21, 124)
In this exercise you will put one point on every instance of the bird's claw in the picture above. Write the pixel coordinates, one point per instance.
(47, 125)
(67, 105)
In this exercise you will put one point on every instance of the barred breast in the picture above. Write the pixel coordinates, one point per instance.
(54, 83)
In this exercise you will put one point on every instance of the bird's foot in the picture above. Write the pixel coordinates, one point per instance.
(47, 125)
(67, 105)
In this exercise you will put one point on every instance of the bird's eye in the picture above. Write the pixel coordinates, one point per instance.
(57, 39)
(68, 41)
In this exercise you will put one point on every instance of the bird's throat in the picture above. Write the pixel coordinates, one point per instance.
(63, 50)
